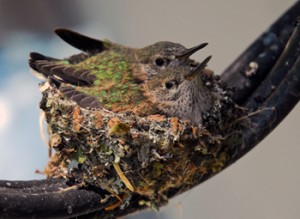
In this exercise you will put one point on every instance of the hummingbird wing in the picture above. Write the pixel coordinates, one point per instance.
(60, 75)
(82, 99)
(82, 42)
(51, 67)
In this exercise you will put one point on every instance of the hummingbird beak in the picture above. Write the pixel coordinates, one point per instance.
(188, 52)
(197, 70)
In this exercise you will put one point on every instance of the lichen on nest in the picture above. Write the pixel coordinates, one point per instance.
(127, 154)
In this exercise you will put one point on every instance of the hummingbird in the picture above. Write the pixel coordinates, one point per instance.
(113, 76)
(181, 93)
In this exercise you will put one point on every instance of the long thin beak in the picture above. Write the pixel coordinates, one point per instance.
(188, 52)
(197, 70)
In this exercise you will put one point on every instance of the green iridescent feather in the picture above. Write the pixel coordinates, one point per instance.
(114, 85)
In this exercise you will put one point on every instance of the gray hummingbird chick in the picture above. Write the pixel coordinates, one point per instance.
(181, 93)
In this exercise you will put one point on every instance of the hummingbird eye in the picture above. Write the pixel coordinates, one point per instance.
(171, 84)
(160, 62)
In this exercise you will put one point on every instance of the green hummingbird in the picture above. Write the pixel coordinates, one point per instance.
(111, 75)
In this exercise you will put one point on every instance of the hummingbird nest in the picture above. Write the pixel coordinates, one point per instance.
(127, 154)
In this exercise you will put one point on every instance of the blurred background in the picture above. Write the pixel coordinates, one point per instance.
(263, 184)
